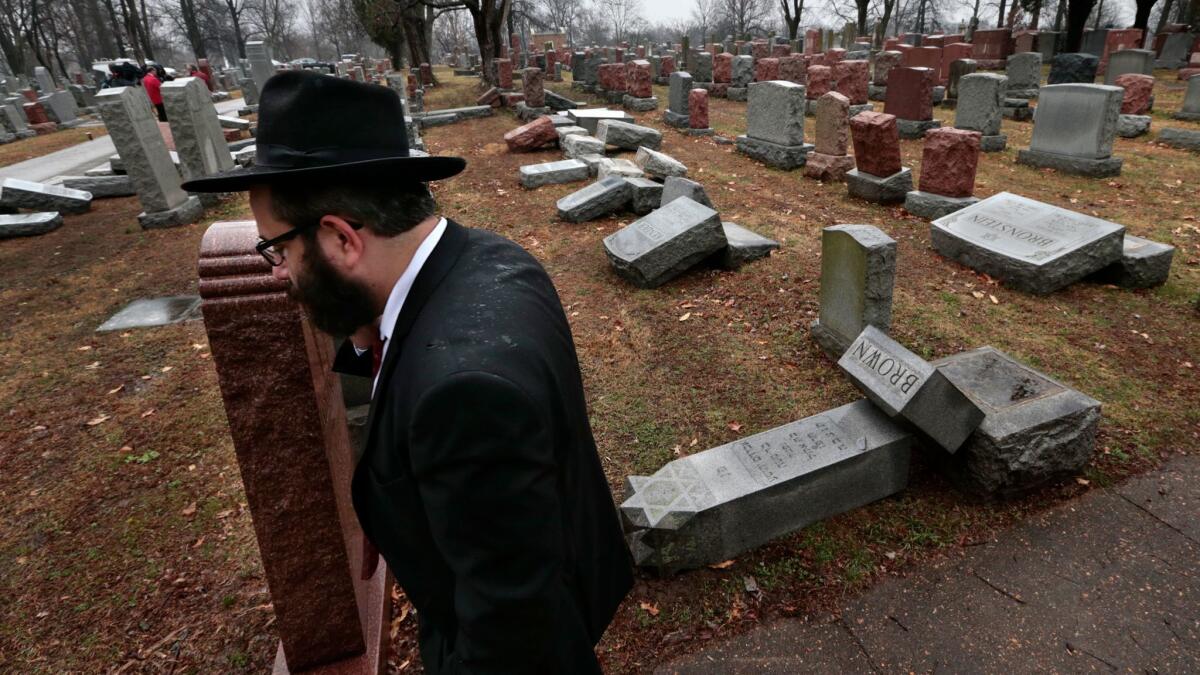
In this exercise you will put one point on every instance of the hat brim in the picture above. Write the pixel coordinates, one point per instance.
(417, 169)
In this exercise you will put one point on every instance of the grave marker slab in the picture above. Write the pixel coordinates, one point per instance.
(150, 312)
(717, 504)
(1073, 68)
(1143, 264)
(775, 124)
(1191, 101)
(646, 195)
(196, 131)
(589, 118)
(1074, 129)
(29, 224)
(628, 136)
(858, 269)
(599, 199)
(553, 173)
(659, 165)
(101, 186)
(1029, 245)
(677, 107)
(665, 243)
(23, 194)
(1034, 429)
(744, 246)
(904, 386)
(980, 108)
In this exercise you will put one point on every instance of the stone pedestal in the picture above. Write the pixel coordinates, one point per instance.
(288, 424)
(892, 189)
(932, 206)
(915, 129)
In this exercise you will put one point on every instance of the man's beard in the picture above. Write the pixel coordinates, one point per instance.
(337, 305)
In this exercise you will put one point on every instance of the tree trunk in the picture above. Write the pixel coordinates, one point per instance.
(144, 27)
(1000, 18)
(1059, 15)
(1099, 11)
(1141, 17)
(191, 24)
(235, 16)
(1191, 16)
(1163, 16)
(863, 6)
(1037, 15)
(1077, 16)
(116, 29)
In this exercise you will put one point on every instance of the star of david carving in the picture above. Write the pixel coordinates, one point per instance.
(668, 499)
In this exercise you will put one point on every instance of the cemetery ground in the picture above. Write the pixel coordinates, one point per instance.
(124, 540)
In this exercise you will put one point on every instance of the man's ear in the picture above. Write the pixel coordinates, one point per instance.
(343, 245)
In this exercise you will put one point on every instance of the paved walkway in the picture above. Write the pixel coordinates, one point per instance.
(1109, 582)
(73, 161)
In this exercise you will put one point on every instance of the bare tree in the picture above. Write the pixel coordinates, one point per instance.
(745, 16)
(622, 16)
(704, 15)
(792, 10)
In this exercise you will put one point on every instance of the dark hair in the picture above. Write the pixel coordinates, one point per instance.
(386, 209)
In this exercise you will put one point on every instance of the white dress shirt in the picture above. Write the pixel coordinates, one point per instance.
(395, 301)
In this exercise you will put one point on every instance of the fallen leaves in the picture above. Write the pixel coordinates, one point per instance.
(735, 426)
(189, 510)
(685, 317)
(98, 420)
(115, 389)
(650, 609)
(722, 565)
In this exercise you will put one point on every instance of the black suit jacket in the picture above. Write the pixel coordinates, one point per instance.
(480, 483)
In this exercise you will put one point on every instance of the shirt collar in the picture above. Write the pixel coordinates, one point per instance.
(395, 302)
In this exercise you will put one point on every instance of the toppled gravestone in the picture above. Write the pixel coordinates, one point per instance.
(576, 146)
(665, 243)
(23, 194)
(716, 504)
(28, 224)
(1035, 429)
(646, 196)
(1143, 264)
(744, 246)
(659, 164)
(904, 386)
(628, 136)
(676, 187)
(601, 198)
(553, 173)
(1029, 245)
(101, 187)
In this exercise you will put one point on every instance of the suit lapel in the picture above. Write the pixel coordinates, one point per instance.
(435, 269)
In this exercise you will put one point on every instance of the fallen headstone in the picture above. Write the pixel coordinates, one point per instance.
(575, 146)
(659, 164)
(1029, 245)
(744, 246)
(589, 118)
(628, 136)
(717, 504)
(1184, 139)
(1143, 264)
(617, 167)
(101, 186)
(1034, 429)
(532, 136)
(601, 198)
(553, 173)
(23, 194)
(675, 187)
(665, 243)
(150, 312)
(905, 386)
(28, 224)
(646, 196)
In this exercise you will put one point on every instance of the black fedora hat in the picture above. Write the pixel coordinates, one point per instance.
(313, 126)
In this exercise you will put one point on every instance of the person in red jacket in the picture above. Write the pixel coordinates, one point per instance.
(193, 71)
(153, 87)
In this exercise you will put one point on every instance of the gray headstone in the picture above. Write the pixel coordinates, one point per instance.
(1078, 120)
(702, 67)
(980, 103)
(570, 130)
(575, 146)
(29, 224)
(677, 187)
(589, 118)
(133, 126)
(150, 312)
(617, 167)
(858, 270)
(1093, 41)
(1184, 139)
(1034, 429)
(599, 199)
(1024, 71)
(1031, 246)
(742, 73)
(261, 68)
(1125, 61)
(628, 136)
(1072, 68)
(959, 69)
(13, 121)
(1191, 100)
(249, 91)
(775, 112)
(60, 108)
(195, 128)
(646, 194)
(101, 186)
(659, 164)
(1176, 50)
(665, 243)
(717, 504)
(23, 194)
(904, 386)
(44, 80)
(553, 173)
(1143, 264)
(744, 246)
(680, 86)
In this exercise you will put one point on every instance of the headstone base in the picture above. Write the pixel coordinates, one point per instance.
(827, 167)
(1187, 116)
(996, 143)
(933, 206)
(698, 132)
(647, 194)
(1017, 110)
(1184, 139)
(744, 246)
(1132, 126)
(915, 129)
(1035, 429)
(860, 107)
(101, 186)
(890, 190)
(877, 92)
(640, 104)
(185, 214)
(1026, 94)
(1143, 264)
(528, 114)
(785, 157)
(675, 119)
(30, 133)
(29, 224)
(1077, 166)
(831, 342)
(737, 93)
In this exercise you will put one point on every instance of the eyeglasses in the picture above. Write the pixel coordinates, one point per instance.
(268, 248)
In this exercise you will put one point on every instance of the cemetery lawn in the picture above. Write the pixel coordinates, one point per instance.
(37, 146)
(124, 536)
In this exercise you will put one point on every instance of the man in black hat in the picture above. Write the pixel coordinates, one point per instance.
(479, 482)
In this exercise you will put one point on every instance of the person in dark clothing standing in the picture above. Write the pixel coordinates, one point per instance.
(479, 483)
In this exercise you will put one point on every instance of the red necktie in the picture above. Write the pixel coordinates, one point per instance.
(370, 554)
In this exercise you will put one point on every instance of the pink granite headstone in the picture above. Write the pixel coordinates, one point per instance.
(723, 68)
(638, 78)
(504, 73)
(948, 162)
(820, 82)
(766, 69)
(666, 66)
(698, 109)
(950, 54)
(794, 69)
(534, 88)
(876, 143)
(850, 80)
(1138, 91)
(910, 93)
